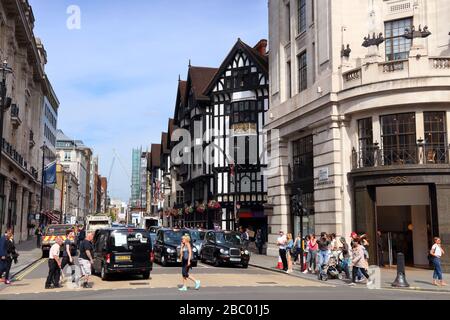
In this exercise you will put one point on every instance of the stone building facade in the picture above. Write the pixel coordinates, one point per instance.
(28, 87)
(360, 105)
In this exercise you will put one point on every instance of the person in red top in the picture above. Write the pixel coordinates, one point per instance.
(313, 248)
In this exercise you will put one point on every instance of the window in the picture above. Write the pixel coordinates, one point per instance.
(288, 21)
(243, 112)
(365, 138)
(67, 156)
(180, 197)
(435, 137)
(288, 80)
(397, 47)
(303, 162)
(302, 72)
(399, 138)
(301, 16)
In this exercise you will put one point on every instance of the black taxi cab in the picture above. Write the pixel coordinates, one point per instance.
(168, 244)
(224, 247)
(122, 251)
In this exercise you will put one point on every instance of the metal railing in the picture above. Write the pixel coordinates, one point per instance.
(420, 154)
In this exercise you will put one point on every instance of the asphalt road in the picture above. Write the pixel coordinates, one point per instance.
(217, 284)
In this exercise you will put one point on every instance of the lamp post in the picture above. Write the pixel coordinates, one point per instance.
(5, 102)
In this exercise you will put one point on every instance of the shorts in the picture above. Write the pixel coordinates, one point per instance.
(185, 268)
(85, 266)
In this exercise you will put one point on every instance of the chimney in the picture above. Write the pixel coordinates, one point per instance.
(261, 46)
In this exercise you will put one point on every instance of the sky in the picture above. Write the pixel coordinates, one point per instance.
(116, 75)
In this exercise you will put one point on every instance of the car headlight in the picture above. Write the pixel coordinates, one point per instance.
(246, 252)
(194, 249)
(170, 250)
(223, 251)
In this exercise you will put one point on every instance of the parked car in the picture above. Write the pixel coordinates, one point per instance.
(224, 247)
(122, 251)
(167, 247)
(154, 229)
(198, 238)
(56, 230)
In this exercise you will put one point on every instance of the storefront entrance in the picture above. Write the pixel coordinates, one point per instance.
(404, 218)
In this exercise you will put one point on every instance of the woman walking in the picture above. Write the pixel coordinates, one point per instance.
(313, 248)
(289, 251)
(359, 262)
(436, 254)
(186, 256)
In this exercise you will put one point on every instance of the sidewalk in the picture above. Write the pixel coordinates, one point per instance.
(418, 279)
(29, 253)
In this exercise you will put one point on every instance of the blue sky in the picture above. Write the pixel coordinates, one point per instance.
(116, 77)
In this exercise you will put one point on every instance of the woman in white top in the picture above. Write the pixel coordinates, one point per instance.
(436, 254)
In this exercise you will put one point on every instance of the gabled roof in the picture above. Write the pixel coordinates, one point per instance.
(181, 97)
(156, 155)
(198, 80)
(260, 60)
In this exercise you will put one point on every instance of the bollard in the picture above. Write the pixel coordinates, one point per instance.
(400, 281)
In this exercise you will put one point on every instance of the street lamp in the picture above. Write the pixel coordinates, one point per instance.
(5, 102)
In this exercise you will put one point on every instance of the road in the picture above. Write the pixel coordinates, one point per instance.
(217, 284)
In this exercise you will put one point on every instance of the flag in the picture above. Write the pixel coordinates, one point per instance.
(50, 174)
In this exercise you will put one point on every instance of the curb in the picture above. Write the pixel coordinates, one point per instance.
(335, 284)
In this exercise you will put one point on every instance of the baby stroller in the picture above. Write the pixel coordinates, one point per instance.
(331, 270)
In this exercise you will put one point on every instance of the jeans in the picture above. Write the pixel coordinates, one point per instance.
(322, 258)
(284, 259)
(346, 267)
(356, 271)
(312, 259)
(66, 261)
(437, 274)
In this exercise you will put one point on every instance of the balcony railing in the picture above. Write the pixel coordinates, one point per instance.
(9, 150)
(407, 155)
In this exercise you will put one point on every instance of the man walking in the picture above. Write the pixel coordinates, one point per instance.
(324, 249)
(54, 265)
(244, 236)
(67, 254)
(281, 242)
(39, 235)
(259, 240)
(86, 260)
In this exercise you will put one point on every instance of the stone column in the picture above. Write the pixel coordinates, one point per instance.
(7, 192)
(278, 193)
(25, 213)
(443, 207)
(17, 217)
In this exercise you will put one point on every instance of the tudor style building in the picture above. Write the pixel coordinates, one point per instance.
(239, 102)
(362, 121)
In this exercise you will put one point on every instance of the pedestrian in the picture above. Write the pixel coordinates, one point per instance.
(346, 260)
(186, 256)
(282, 242)
(259, 241)
(289, 251)
(334, 246)
(359, 262)
(39, 233)
(244, 237)
(380, 249)
(10, 255)
(86, 260)
(436, 253)
(67, 254)
(54, 265)
(297, 248)
(81, 234)
(324, 250)
(311, 260)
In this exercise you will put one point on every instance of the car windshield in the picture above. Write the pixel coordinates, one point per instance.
(57, 230)
(228, 238)
(196, 235)
(173, 237)
(124, 240)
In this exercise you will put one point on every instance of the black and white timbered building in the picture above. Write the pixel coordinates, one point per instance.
(239, 101)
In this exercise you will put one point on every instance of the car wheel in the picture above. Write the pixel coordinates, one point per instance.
(202, 258)
(146, 275)
(216, 262)
(45, 254)
(194, 264)
(104, 274)
(245, 266)
(163, 261)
